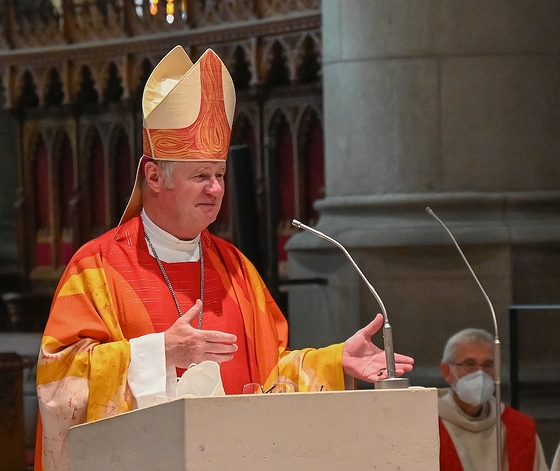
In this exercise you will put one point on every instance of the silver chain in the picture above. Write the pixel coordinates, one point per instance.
(172, 291)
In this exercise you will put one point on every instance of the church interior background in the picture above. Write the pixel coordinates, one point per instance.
(71, 77)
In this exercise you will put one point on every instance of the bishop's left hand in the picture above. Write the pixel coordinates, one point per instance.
(362, 359)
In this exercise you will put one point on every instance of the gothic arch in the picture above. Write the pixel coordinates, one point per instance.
(311, 164)
(52, 88)
(276, 117)
(266, 53)
(40, 219)
(308, 59)
(117, 130)
(95, 187)
(310, 108)
(62, 135)
(121, 171)
(312, 36)
(242, 66)
(47, 78)
(309, 116)
(247, 130)
(33, 138)
(39, 174)
(113, 84)
(281, 133)
(243, 134)
(278, 70)
(90, 133)
(86, 85)
(64, 158)
(283, 191)
(26, 89)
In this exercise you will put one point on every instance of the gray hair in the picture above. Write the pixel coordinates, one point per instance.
(465, 336)
(167, 167)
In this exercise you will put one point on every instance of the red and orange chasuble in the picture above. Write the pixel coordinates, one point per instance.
(113, 291)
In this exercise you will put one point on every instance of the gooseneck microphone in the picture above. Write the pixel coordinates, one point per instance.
(497, 349)
(392, 382)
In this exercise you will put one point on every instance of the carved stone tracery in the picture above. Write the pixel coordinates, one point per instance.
(85, 76)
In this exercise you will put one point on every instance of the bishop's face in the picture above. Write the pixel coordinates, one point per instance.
(192, 201)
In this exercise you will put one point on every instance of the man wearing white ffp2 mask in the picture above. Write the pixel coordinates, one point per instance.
(468, 413)
(474, 388)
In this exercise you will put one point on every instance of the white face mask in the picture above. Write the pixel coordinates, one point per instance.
(475, 388)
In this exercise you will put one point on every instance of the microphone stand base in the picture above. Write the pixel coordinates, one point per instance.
(392, 383)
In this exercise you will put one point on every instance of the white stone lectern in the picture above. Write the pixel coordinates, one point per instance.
(384, 430)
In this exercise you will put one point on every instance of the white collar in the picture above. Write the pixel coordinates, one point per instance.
(168, 247)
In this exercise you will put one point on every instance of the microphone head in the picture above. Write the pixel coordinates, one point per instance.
(296, 223)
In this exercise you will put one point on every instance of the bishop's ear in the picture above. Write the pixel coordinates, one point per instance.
(446, 372)
(152, 175)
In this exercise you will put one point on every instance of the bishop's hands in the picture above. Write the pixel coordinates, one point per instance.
(362, 359)
(185, 345)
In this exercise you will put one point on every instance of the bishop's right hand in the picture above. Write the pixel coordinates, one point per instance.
(185, 345)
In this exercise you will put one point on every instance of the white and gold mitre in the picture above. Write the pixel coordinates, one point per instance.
(188, 113)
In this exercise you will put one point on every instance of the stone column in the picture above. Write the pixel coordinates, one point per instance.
(452, 104)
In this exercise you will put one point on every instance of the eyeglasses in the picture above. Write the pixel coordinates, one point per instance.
(470, 366)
